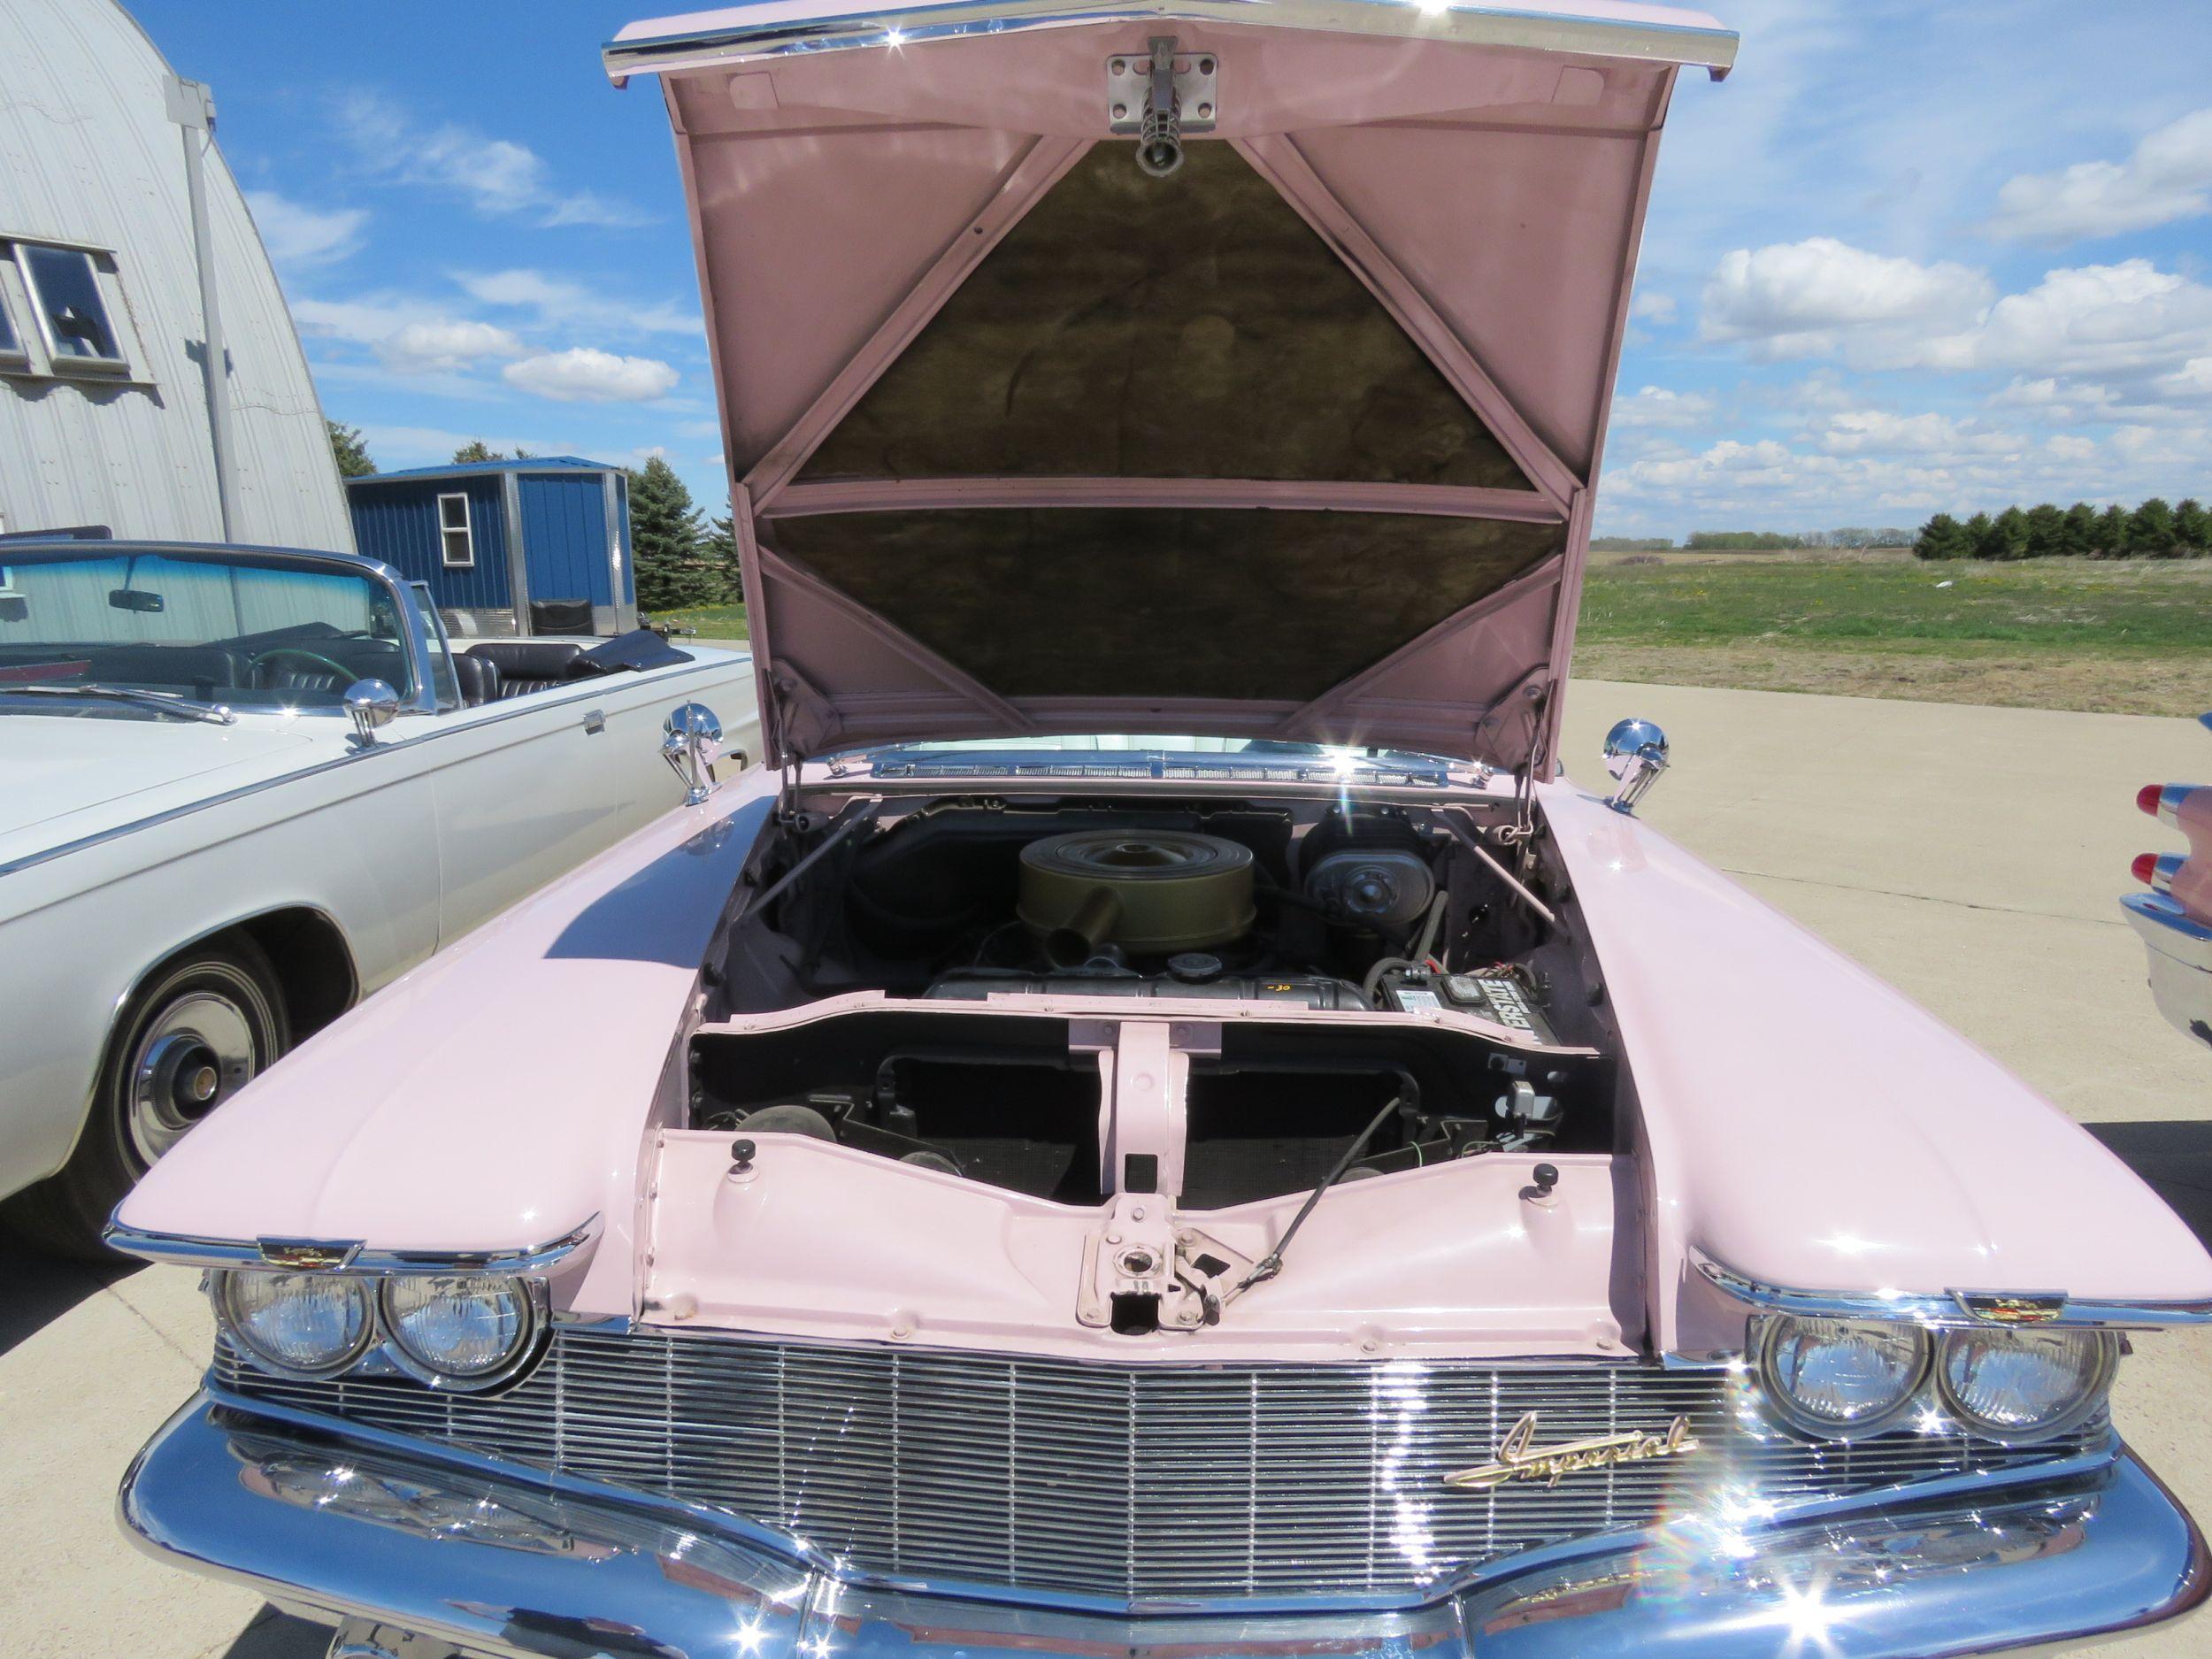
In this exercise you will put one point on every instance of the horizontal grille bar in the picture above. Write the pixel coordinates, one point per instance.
(1136, 1483)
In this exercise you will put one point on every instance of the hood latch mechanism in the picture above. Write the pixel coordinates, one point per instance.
(1160, 97)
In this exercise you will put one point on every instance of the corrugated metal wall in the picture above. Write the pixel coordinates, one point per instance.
(565, 535)
(397, 522)
(88, 155)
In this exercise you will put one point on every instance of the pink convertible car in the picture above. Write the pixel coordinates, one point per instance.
(1004, 1178)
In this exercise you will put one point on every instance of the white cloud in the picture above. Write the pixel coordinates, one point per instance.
(1879, 432)
(1821, 297)
(398, 446)
(301, 238)
(558, 300)
(2125, 321)
(1653, 308)
(1656, 406)
(2168, 178)
(583, 375)
(498, 177)
(444, 347)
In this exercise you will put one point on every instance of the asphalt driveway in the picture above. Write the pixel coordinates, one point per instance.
(1970, 855)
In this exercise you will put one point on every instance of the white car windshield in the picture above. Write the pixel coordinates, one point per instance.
(1174, 754)
(131, 631)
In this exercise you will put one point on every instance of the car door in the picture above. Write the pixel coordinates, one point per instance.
(533, 785)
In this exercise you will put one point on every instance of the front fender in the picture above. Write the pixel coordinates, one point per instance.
(1811, 1128)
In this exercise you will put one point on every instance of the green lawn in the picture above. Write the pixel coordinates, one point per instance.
(709, 622)
(2128, 636)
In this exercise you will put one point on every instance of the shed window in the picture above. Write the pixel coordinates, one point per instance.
(454, 540)
(11, 353)
(73, 313)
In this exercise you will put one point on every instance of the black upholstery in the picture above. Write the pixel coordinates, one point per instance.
(283, 674)
(197, 665)
(560, 615)
(479, 677)
(529, 665)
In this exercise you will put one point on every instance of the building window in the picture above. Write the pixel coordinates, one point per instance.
(73, 313)
(454, 540)
(11, 353)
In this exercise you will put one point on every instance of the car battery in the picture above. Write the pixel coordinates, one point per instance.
(1503, 995)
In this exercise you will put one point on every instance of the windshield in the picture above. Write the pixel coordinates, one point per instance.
(197, 627)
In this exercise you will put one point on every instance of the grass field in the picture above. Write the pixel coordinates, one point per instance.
(2121, 636)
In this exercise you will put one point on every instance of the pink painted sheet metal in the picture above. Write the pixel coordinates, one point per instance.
(1808, 1127)
(495, 1098)
(817, 1241)
(1488, 195)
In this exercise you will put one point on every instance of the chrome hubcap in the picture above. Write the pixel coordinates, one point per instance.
(198, 1053)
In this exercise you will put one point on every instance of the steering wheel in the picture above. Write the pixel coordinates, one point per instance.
(346, 676)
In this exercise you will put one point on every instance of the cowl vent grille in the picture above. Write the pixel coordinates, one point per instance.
(1134, 1483)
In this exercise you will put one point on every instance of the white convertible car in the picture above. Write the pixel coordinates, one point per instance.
(240, 789)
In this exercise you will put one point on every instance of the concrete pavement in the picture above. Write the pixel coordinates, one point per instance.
(1970, 855)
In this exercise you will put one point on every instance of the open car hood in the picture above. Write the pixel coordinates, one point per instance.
(1297, 443)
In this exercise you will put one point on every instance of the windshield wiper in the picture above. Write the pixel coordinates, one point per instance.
(162, 701)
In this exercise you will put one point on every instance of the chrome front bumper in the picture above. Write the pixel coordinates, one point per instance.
(386, 1541)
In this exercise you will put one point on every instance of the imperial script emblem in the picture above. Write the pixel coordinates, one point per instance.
(1518, 1460)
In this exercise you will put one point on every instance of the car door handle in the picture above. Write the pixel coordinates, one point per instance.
(594, 723)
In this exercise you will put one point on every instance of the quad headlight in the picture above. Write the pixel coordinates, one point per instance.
(297, 1324)
(459, 1330)
(2017, 1385)
(1840, 1379)
(1845, 1379)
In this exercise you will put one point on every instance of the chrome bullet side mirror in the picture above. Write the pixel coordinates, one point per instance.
(691, 742)
(371, 704)
(1635, 754)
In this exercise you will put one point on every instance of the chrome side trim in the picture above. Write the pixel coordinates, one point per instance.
(2161, 921)
(1950, 1308)
(342, 1254)
(1713, 50)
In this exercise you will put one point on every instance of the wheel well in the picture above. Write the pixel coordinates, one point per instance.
(314, 969)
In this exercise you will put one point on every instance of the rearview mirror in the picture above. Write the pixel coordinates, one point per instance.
(140, 599)
(371, 704)
(691, 741)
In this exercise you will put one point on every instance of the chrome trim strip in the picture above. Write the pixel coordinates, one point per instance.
(513, 708)
(1713, 50)
(349, 1256)
(2179, 934)
(1948, 1307)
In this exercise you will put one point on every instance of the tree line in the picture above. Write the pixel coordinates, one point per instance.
(2153, 530)
(683, 559)
(1754, 541)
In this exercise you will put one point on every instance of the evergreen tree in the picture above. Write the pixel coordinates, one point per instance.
(2009, 535)
(2112, 533)
(2193, 529)
(1943, 537)
(350, 450)
(721, 556)
(666, 538)
(2079, 541)
(2047, 532)
(1980, 537)
(2151, 531)
(475, 449)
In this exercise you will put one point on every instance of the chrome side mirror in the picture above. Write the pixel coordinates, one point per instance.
(371, 704)
(1635, 754)
(691, 741)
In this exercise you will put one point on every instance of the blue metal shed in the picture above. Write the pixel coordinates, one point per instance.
(541, 546)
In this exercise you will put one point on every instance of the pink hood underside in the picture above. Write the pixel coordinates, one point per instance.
(1487, 199)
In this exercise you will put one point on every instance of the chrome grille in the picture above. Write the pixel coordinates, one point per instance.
(1133, 1483)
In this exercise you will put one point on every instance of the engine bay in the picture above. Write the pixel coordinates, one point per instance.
(1345, 989)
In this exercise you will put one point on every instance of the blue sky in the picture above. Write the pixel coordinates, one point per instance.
(1906, 257)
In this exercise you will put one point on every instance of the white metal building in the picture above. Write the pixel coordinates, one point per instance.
(106, 415)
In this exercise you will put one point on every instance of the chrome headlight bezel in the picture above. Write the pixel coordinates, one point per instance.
(236, 1331)
(531, 1324)
(1790, 1414)
(2094, 1397)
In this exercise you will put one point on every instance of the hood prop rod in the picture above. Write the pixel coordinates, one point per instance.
(1271, 1264)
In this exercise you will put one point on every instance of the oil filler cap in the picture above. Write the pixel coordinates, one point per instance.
(1194, 967)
